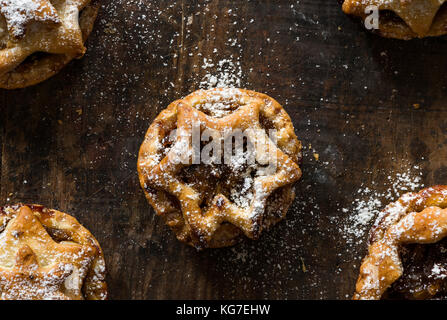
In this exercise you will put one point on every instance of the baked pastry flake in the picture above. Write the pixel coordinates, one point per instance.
(210, 205)
(39, 37)
(47, 255)
(404, 19)
(406, 256)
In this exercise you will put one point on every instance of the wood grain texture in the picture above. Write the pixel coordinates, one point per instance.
(71, 143)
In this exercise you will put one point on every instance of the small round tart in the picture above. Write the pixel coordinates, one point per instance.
(403, 20)
(211, 202)
(406, 256)
(37, 48)
(47, 255)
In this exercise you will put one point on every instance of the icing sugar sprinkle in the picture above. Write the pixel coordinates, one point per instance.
(19, 12)
(439, 271)
(228, 71)
(229, 74)
(369, 202)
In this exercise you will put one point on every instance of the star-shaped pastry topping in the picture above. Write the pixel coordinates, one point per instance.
(417, 14)
(43, 268)
(202, 222)
(63, 37)
(19, 13)
(29, 281)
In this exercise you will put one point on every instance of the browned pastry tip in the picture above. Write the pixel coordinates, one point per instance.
(214, 205)
(418, 220)
(47, 254)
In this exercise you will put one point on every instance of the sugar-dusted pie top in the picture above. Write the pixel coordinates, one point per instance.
(407, 248)
(30, 26)
(213, 204)
(46, 254)
(19, 13)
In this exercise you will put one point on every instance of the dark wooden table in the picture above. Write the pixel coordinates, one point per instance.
(370, 107)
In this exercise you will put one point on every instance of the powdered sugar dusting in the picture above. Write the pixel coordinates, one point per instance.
(244, 197)
(439, 271)
(369, 202)
(225, 72)
(19, 12)
(228, 74)
(221, 103)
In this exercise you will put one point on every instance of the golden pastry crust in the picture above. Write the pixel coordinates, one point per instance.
(211, 206)
(416, 218)
(404, 19)
(46, 47)
(47, 254)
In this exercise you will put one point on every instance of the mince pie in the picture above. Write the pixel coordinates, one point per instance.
(47, 255)
(407, 249)
(213, 202)
(39, 37)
